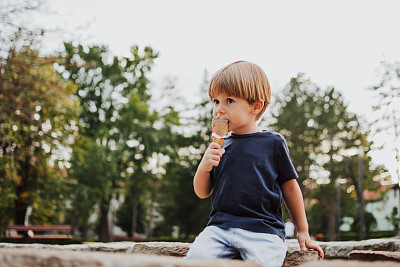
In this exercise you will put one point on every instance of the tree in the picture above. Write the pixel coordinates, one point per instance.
(153, 145)
(11, 12)
(114, 95)
(294, 113)
(93, 167)
(37, 117)
(324, 138)
(387, 110)
(7, 193)
(180, 206)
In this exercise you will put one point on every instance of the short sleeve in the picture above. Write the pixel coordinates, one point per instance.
(286, 170)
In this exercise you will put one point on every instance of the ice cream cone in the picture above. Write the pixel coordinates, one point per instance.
(219, 130)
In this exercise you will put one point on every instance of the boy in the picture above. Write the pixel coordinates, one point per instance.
(248, 176)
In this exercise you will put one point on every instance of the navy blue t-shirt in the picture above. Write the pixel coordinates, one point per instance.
(246, 183)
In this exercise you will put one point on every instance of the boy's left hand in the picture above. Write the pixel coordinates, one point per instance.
(306, 242)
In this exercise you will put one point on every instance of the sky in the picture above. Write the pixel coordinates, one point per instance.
(335, 43)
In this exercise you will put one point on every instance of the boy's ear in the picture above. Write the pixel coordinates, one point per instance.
(258, 106)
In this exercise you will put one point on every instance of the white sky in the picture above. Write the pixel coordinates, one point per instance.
(336, 43)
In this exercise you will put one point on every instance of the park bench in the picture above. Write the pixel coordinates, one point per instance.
(37, 233)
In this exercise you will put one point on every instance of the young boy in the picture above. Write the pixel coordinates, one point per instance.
(248, 177)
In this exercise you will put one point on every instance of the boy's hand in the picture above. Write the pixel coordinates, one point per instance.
(306, 242)
(211, 157)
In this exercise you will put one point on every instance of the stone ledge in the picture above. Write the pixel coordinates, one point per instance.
(350, 263)
(294, 256)
(342, 250)
(123, 247)
(44, 258)
(162, 248)
(374, 255)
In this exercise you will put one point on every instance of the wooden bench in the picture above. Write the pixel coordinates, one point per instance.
(38, 233)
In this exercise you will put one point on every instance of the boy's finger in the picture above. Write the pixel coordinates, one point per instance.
(317, 248)
(216, 152)
(216, 157)
(321, 252)
(215, 145)
(312, 245)
(302, 246)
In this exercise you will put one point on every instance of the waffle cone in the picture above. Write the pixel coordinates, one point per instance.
(219, 127)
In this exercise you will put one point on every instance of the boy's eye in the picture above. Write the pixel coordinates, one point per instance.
(229, 100)
(216, 101)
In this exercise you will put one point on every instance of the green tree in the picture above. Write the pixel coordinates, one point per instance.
(343, 138)
(294, 113)
(369, 221)
(324, 139)
(95, 169)
(387, 110)
(8, 180)
(37, 117)
(152, 144)
(180, 206)
(9, 33)
(114, 95)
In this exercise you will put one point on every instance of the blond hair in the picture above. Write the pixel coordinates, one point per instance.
(244, 80)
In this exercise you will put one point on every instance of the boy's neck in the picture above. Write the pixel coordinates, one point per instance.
(247, 130)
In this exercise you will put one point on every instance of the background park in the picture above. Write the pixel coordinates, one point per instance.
(108, 142)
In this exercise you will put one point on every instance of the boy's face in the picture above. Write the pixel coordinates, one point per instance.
(240, 114)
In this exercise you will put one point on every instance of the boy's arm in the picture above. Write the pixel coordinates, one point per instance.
(294, 202)
(201, 182)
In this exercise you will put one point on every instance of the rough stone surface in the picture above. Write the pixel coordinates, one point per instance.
(45, 258)
(333, 250)
(350, 263)
(177, 249)
(104, 247)
(296, 257)
(375, 255)
(342, 250)
(162, 248)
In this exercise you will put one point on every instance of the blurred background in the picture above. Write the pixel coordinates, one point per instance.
(104, 111)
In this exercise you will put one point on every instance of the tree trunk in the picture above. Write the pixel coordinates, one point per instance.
(84, 227)
(135, 204)
(104, 223)
(331, 218)
(21, 203)
(20, 210)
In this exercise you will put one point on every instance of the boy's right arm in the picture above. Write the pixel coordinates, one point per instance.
(201, 181)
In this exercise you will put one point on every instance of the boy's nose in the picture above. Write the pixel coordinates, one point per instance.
(219, 111)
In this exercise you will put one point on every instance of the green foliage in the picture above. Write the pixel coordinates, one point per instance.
(387, 111)
(295, 113)
(114, 95)
(7, 193)
(180, 206)
(124, 216)
(93, 169)
(370, 223)
(49, 202)
(324, 139)
(317, 212)
(37, 117)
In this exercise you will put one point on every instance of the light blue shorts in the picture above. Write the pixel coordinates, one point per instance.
(213, 242)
